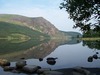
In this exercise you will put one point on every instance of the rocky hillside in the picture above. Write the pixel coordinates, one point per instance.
(38, 23)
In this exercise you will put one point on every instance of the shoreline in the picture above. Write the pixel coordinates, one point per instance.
(90, 39)
(80, 71)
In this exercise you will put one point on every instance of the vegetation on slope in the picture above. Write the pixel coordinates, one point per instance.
(8, 29)
(36, 23)
(72, 34)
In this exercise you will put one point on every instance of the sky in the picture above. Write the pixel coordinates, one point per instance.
(48, 9)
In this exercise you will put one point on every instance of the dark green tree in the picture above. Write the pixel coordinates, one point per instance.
(85, 13)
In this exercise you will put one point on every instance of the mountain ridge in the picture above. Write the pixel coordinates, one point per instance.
(36, 23)
(39, 24)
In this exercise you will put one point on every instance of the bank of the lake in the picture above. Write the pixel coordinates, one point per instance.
(23, 67)
(90, 39)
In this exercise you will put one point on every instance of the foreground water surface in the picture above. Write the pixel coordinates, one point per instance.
(69, 53)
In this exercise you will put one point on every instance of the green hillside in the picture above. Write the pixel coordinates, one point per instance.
(30, 27)
(14, 31)
(36, 23)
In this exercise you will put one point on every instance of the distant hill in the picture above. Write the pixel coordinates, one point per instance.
(72, 34)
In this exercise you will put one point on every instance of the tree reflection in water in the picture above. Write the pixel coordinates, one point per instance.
(93, 45)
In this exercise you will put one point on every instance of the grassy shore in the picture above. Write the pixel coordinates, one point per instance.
(91, 39)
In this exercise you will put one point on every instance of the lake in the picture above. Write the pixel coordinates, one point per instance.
(69, 53)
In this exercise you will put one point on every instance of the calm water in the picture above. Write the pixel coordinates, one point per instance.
(69, 53)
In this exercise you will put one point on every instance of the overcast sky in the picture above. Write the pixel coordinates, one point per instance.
(49, 9)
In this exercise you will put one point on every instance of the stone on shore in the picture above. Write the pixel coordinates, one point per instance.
(20, 64)
(8, 68)
(4, 62)
(80, 71)
(52, 73)
(40, 71)
(30, 68)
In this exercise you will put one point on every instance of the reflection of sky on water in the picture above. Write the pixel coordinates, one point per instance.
(69, 56)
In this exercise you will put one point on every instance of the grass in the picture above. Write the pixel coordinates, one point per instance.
(17, 38)
(7, 29)
(91, 39)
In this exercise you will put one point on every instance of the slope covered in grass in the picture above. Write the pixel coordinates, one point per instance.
(7, 29)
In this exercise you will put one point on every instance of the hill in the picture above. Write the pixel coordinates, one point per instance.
(38, 23)
(19, 33)
(72, 34)
(37, 26)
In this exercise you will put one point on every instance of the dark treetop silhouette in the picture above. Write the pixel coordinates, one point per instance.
(85, 13)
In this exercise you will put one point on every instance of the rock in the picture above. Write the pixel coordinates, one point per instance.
(51, 58)
(90, 59)
(20, 64)
(95, 56)
(39, 71)
(40, 59)
(81, 71)
(51, 62)
(30, 68)
(76, 73)
(4, 62)
(52, 73)
(22, 58)
(97, 52)
(8, 68)
(15, 71)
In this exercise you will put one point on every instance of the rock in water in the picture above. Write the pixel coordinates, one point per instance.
(20, 64)
(95, 56)
(8, 68)
(90, 59)
(30, 68)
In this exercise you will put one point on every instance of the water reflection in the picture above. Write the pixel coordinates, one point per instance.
(31, 49)
(7, 47)
(50, 53)
(92, 44)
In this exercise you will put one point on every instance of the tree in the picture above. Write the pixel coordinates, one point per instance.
(85, 13)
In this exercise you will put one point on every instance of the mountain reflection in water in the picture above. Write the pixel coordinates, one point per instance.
(31, 49)
(69, 53)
